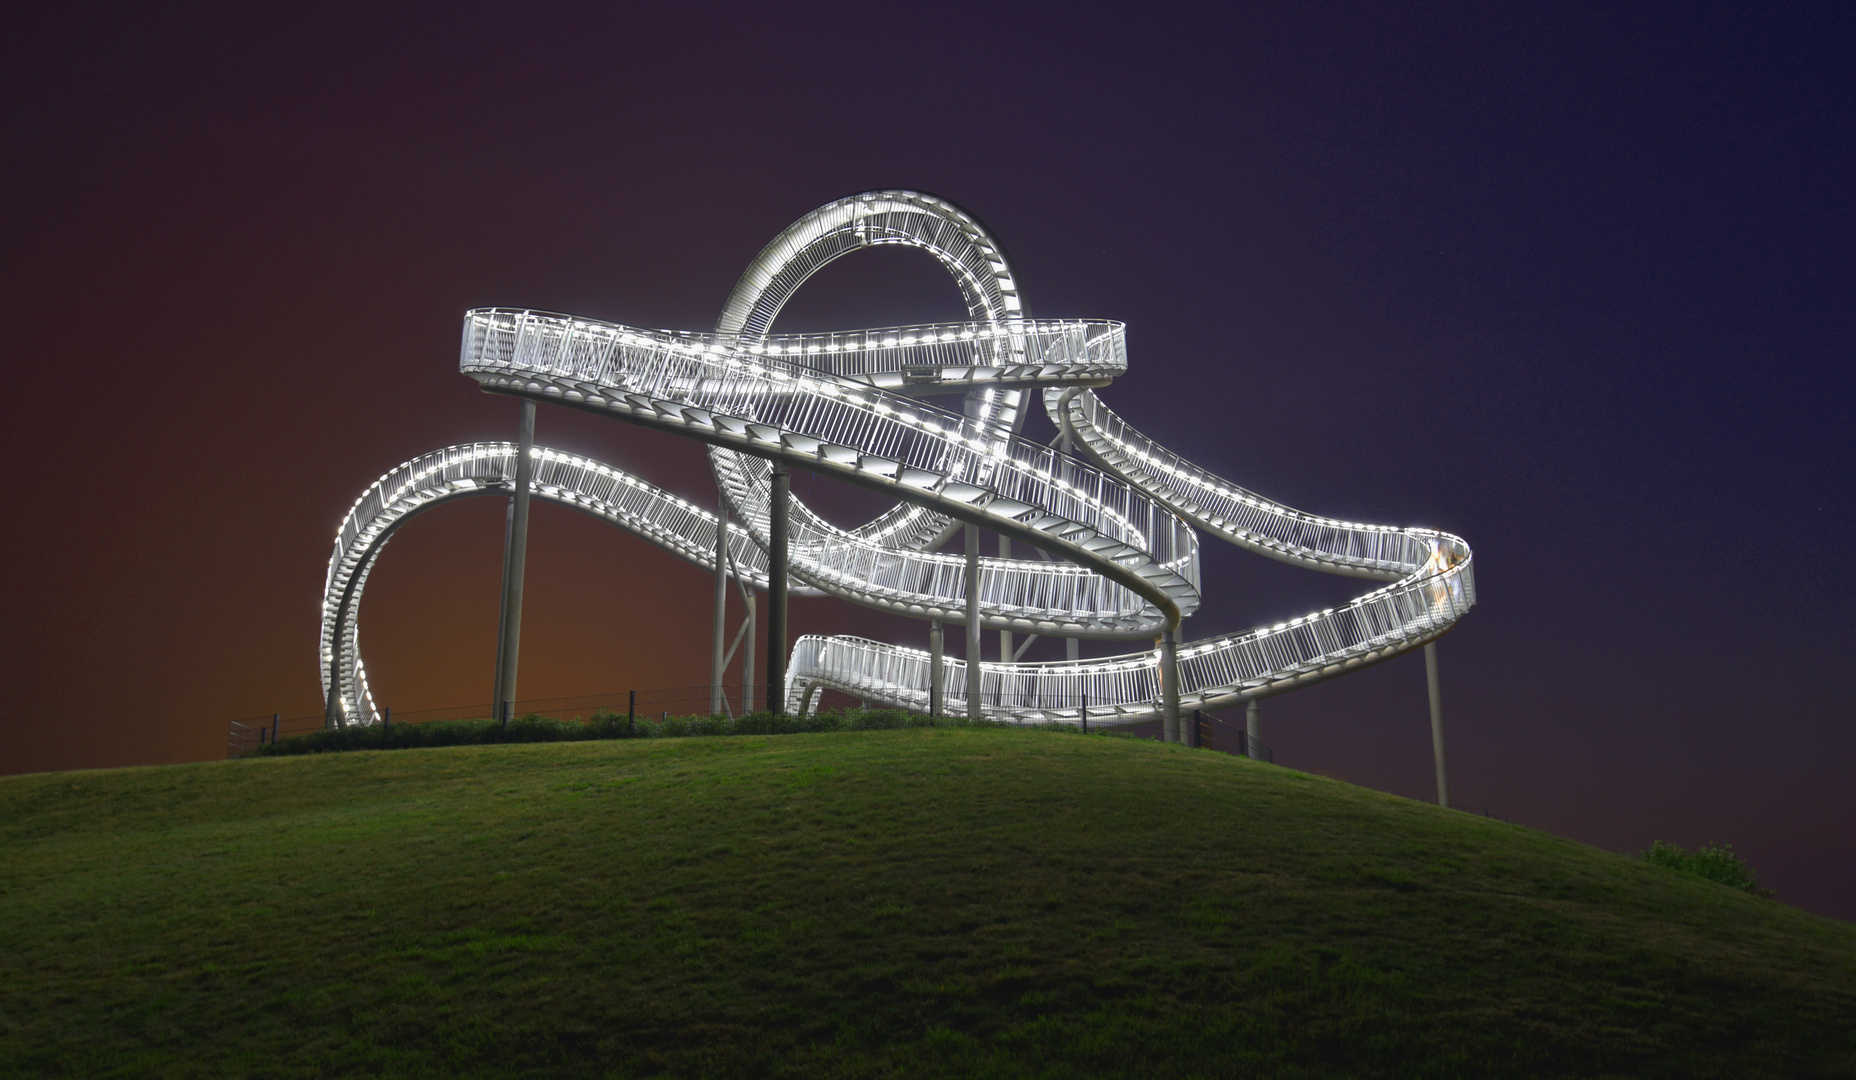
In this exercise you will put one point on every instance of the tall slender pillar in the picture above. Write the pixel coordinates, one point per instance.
(1437, 723)
(1253, 727)
(515, 557)
(937, 670)
(777, 525)
(1188, 724)
(1072, 648)
(747, 659)
(1169, 686)
(973, 622)
(716, 651)
(1005, 636)
(502, 613)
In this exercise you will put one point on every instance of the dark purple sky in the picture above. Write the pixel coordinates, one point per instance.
(1575, 285)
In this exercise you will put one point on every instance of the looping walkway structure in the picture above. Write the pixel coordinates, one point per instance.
(1114, 517)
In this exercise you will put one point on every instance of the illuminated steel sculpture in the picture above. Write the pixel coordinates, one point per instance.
(1114, 529)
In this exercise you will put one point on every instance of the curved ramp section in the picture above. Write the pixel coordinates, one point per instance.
(1214, 674)
(1235, 515)
(1433, 586)
(716, 389)
(593, 487)
(979, 269)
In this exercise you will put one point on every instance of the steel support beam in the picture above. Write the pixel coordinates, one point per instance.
(778, 539)
(716, 657)
(937, 670)
(1253, 727)
(1188, 725)
(747, 660)
(1005, 636)
(973, 622)
(1437, 722)
(502, 615)
(1072, 647)
(515, 558)
(1169, 687)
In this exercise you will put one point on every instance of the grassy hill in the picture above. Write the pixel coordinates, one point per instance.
(908, 903)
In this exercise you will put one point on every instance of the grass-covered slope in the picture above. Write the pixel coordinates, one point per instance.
(909, 903)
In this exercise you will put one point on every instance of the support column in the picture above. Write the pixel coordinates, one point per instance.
(747, 659)
(716, 651)
(1188, 725)
(1253, 727)
(1437, 723)
(515, 557)
(973, 622)
(502, 613)
(1005, 636)
(937, 671)
(1169, 686)
(1072, 648)
(776, 589)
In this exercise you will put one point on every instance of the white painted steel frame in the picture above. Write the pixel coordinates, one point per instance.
(848, 404)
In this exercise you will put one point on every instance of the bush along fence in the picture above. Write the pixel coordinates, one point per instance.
(664, 712)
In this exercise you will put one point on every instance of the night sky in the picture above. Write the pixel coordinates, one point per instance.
(1575, 285)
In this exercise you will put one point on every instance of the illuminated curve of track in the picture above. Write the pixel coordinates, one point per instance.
(1118, 525)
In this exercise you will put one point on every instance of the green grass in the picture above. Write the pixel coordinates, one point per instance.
(920, 902)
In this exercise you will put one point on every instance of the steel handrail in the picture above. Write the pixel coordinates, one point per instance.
(847, 403)
(712, 388)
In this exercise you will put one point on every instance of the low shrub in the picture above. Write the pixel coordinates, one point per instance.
(1716, 862)
(607, 725)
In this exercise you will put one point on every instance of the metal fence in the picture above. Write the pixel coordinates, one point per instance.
(246, 734)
